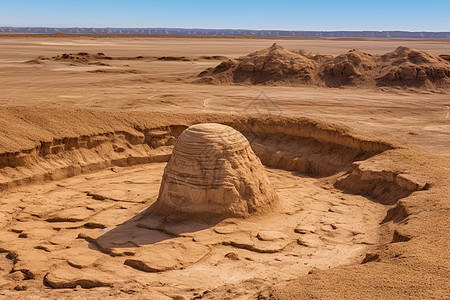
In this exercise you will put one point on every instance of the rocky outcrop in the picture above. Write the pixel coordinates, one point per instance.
(351, 68)
(214, 171)
(167, 256)
(376, 179)
(409, 67)
(66, 157)
(276, 65)
(67, 277)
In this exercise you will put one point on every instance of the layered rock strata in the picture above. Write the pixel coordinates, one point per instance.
(214, 171)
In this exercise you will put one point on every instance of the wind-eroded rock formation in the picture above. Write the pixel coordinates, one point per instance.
(405, 66)
(268, 65)
(214, 171)
(276, 65)
(351, 68)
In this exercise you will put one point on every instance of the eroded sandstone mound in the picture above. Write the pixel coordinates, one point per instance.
(351, 68)
(214, 172)
(409, 67)
(276, 65)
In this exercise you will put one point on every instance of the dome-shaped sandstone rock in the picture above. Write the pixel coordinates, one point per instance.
(214, 172)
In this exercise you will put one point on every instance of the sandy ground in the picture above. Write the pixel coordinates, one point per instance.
(23, 48)
(87, 231)
(419, 118)
(336, 238)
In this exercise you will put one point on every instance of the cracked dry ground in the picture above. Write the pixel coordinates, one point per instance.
(89, 231)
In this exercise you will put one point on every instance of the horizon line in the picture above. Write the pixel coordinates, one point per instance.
(237, 29)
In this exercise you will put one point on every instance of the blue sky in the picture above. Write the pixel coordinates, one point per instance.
(412, 15)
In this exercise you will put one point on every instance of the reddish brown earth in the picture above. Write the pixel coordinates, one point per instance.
(363, 207)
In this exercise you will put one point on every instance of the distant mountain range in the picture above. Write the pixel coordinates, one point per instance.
(230, 32)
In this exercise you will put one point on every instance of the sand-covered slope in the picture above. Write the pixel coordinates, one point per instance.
(276, 65)
(410, 263)
(86, 140)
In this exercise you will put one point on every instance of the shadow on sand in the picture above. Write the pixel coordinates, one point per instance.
(147, 228)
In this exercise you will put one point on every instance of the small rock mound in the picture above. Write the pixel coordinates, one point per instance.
(408, 67)
(352, 68)
(214, 172)
(67, 277)
(75, 58)
(271, 65)
(81, 57)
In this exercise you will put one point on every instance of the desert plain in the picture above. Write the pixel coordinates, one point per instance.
(361, 168)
